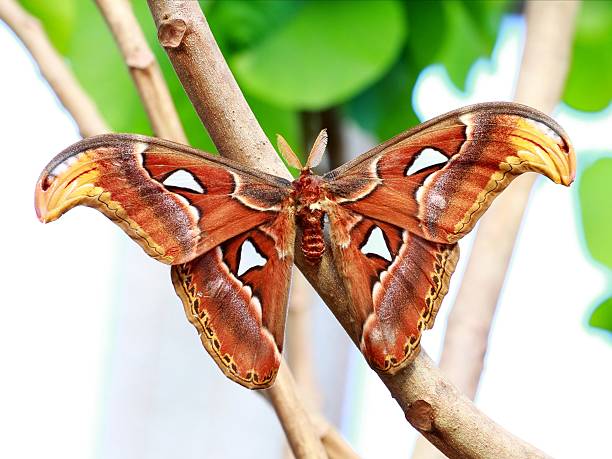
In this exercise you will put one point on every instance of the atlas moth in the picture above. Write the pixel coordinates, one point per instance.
(200, 225)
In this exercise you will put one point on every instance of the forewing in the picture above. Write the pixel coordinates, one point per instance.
(484, 147)
(240, 316)
(176, 202)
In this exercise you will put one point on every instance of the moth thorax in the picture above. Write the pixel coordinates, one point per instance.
(313, 244)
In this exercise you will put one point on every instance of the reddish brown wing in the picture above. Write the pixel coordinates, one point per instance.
(196, 211)
(483, 147)
(240, 318)
(131, 179)
(486, 146)
(396, 288)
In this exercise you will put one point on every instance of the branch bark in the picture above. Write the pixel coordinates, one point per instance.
(296, 422)
(453, 423)
(544, 67)
(53, 68)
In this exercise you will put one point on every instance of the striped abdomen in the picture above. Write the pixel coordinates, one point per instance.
(313, 244)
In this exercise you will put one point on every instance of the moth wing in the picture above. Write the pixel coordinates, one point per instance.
(423, 209)
(480, 149)
(240, 314)
(174, 201)
(195, 211)
(396, 282)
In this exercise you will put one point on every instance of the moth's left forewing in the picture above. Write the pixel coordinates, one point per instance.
(197, 212)
(174, 201)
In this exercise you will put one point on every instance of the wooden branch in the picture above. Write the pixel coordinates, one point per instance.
(545, 63)
(53, 68)
(144, 69)
(455, 425)
(303, 439)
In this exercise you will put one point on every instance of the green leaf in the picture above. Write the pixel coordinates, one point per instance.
(601, 317)
(385, 109)
(589, 83)
(257, 19)
(428, 27)
(453, 33)
(57, 18)
(594, 193)
(470, 33)
(275, 120)
(326, 53)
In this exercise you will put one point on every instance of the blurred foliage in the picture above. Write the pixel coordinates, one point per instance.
(316, 61)
(602, 315)
(58, 19)
(290, 56)
(589, 84)
(594, 193)
(360, 57)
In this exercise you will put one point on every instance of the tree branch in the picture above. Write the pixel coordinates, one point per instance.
(53, 68)
(296, 422)
(454, 424)
(546, 59)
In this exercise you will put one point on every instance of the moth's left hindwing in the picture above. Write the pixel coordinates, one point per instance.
(240, 317)
(194, 210)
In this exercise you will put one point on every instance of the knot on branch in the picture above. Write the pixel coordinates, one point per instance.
(171, 32)
(420, 414)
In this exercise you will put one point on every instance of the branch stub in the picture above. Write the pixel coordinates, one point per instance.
(420, 415)
(171, 32)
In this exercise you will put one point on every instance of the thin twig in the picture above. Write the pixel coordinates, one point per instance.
(455, 425)
(299, 339)
(53, 68)
(144, 69)
(301, 434)
(546, 59)
(298, 342)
